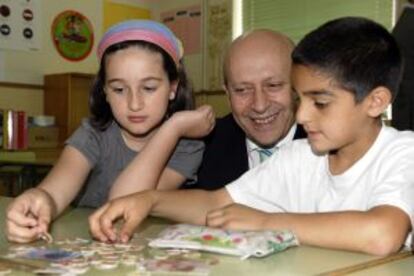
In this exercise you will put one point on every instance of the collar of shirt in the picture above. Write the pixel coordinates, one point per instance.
(253, 154)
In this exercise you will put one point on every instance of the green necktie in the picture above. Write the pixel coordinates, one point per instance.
(264, 154)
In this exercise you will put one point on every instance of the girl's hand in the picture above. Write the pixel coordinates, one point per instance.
(194, 123)
(132, 209)
(29, 216)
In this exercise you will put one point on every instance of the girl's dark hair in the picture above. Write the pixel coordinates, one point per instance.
(101, 114)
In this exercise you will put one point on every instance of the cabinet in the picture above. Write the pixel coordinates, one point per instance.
(66, 97)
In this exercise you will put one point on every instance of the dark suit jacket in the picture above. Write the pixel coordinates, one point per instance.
(225, 157)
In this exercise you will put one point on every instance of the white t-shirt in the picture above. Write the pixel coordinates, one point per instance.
(296, 180)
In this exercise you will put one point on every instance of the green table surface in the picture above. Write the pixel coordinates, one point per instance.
(302, 260)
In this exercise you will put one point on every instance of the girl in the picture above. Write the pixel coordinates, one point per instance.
(139, 87)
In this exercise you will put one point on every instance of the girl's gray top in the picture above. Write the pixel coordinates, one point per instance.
(108, 155)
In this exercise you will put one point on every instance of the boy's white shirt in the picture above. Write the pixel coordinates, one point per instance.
(297, 181)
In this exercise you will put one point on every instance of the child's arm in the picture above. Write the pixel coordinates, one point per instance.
(147, 170)
(380, 231)
(31, 213)
(189, 206)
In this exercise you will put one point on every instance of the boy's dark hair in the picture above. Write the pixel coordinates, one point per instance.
(358, 53)
(101, 114)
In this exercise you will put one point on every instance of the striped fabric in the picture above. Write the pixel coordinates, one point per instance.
(144, 30)
(264, 154)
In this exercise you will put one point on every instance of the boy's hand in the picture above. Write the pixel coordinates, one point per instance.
(132, 209)
(29, 215)
(194, 123)
(237, 217)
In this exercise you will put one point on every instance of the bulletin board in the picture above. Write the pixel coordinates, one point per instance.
(217, 38)
(20, 22)
(186, 23)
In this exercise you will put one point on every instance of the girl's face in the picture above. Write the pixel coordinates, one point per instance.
(138, 90)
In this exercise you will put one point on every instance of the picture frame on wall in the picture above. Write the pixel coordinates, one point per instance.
(72, 35)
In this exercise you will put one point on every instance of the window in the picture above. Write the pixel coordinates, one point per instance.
(295, 18)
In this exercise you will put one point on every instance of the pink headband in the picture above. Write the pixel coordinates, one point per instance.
(143, 30)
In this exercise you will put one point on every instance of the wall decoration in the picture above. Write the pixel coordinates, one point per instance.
(72, 35)
(217, 38)
(20, 23)
(186, 25)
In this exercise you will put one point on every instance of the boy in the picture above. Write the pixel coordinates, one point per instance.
(349, 186)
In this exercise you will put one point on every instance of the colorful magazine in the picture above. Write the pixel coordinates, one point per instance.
(231, 242)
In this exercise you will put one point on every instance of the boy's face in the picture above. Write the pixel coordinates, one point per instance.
(329, 114)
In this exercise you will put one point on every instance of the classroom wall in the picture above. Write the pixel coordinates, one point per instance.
(22, 98)
(29, 67)
(47, 60)
(194, 62)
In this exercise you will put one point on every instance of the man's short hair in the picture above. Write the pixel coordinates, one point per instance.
(358, 53)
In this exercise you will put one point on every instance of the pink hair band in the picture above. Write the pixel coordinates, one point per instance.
(143, 35)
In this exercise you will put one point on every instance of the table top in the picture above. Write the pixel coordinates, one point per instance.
(303, 260)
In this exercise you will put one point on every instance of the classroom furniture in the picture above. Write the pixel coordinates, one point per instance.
(20, 170)
(302, 260)
(66, 96)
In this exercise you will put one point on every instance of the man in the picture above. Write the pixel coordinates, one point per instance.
(257, 81)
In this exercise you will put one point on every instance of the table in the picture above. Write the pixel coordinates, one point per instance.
(303, 260)
(400, 267)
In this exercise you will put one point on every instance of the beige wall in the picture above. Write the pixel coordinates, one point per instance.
(29, 67)
(194, 63)
(27, 99)
(219, 102)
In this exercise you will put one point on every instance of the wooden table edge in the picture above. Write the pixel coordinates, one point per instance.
(365, 265)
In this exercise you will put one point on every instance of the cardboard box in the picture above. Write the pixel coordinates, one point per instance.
(43, 137)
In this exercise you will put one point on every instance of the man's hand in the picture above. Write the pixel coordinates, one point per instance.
(194, 123)
(237, 217)
(132, 209)
(29, 216)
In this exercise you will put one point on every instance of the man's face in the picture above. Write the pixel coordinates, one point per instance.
(259, 90)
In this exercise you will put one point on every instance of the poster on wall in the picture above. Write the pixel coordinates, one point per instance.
(20, 23)
(186, 25)
(72, 35)
(217, 38)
